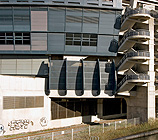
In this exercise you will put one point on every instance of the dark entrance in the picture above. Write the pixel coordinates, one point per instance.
(114, 106)
(67, 108)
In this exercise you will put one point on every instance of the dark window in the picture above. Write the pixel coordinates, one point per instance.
(20, 38)
(67, 108)
(81, 39)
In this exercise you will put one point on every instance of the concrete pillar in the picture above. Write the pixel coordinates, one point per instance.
(151, 72)
(133, 3)
(100, 108)
(1, 106)
(137, 105)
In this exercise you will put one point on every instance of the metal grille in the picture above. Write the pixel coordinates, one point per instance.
(8, 102)
(39, 101)
(20, 102)
(16, 102)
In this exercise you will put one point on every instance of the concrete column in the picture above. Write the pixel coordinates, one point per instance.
(133, 3)
(1, 106)
(151, 72)
(100, 108)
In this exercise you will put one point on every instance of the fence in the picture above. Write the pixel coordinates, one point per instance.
(82, 132)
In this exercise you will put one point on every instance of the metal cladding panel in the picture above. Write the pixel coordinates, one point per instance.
(24, 66)
(90, 20)
(72, 49)
(22, 19)
(21, 68)
(38, 20)
(73, 20)
(56, 19)
(89, 49)
(39, 41)
(6, 19)
(107, 45)
(74, 75)
(56, 42)
(117, 24)
(6, 47)
(22, 47)
(78, 76)
(106, 22)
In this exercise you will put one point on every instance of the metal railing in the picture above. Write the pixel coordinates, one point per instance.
(130, 12)
(132, 54)
(84, 132)
(134, 33)
(133, 77)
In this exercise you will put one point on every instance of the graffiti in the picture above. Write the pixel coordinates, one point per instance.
(1, 130)
(19, 124)
(43, 121)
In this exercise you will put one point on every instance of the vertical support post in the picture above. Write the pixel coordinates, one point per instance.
(151, 73)
(83, 77)
(89, 130)
(52, 135)
(103, 127)
(66, 76)
(126, 124)
(99, 78)
(134, 121)
(72, 133)
(115, 125)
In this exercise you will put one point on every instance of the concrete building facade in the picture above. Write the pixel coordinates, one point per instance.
(66, 62)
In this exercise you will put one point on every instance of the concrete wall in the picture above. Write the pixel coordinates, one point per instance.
(137, 105)
(30, 119)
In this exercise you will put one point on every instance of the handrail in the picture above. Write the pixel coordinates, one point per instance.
(134, 11)
(132, 54)
(134, 33)
(133, 77)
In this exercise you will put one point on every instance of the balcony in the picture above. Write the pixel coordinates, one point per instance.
(132, 16)
(129, 59)
(129, 81)
(131, 37)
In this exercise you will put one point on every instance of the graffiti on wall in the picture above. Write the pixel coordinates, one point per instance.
(43, 121)
(1, 130)
(19, 124)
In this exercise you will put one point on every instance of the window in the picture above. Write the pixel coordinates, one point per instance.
(81, 39)
(20, 38)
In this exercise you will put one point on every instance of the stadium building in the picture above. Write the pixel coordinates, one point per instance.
(67, 62)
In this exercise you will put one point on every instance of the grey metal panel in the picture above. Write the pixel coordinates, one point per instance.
(73, 19)
(56, 42)
(6, 19)
(72, 48)
(24, 66)
(75, 75)
(56, 19)
(8, 66)
(73, 27)
(90, 20)
(89, 49)
(106, 22)
(22, 19)
(90, 28)
(105, 45)
(39, 41)
(117, 25)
